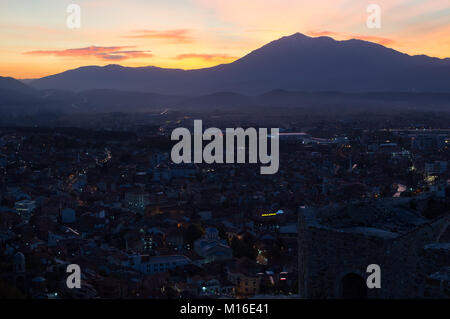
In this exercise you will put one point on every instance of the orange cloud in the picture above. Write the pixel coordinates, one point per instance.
(105, 53)
(321, 33)
(173, 36)
(379, 40)
(206, 57)
(371, 38)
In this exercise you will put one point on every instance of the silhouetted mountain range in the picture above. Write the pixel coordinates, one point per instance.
(296, 71)
(296, 63)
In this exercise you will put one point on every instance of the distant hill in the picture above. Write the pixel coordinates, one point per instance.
(57, 102)
(105, 100)
(13, 85)
(319, 101)
(217, 100)
(16, 97)
(295, 63)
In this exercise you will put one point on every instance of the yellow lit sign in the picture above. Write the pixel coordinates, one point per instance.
(272, 214)
(268, 214)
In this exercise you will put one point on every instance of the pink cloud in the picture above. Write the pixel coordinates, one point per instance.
(379, 40)
(173, 36)
(321, 33)
(106, 53)
(371, 38)
(206, 57)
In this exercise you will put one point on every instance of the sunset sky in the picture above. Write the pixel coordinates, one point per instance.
(36, 42)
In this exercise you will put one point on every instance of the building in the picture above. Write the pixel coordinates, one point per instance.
(435, 168)
(243, 275)
(211, 247)
(137, 201)
(156, 264)
(68, 216)
(429, 141)
(24, 208)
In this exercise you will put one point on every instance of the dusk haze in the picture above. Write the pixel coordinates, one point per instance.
(224, 158)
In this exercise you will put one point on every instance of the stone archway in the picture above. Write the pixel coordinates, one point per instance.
(353, 286)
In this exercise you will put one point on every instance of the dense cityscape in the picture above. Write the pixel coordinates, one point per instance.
(110, 200)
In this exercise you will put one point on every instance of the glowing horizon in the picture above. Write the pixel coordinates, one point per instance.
(191, 34)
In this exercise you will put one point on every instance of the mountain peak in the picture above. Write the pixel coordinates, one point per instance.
(298, 35)
(297, 39)
(294, 37)
(111, 66)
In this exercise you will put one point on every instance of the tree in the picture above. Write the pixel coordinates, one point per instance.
(434, 209)
(192, 233)
(222, 232)
(170, 292)
(9, 292)
(244, 247)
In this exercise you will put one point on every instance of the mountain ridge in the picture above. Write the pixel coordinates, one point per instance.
(297, 62)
